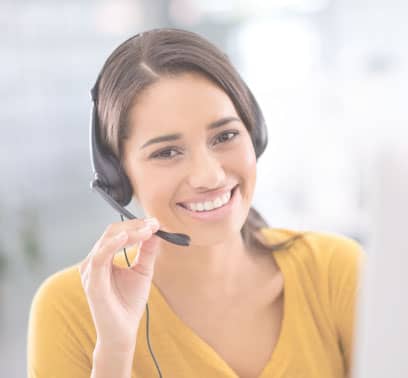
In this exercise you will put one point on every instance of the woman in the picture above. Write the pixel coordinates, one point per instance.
(242, 299)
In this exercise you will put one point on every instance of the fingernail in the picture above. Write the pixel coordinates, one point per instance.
(152, 222)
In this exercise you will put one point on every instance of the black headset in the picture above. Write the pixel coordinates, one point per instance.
(109, 178)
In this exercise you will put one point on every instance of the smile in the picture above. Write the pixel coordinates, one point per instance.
(214, 209)
(209, 205)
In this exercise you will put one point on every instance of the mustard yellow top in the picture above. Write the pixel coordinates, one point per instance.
(321, 278)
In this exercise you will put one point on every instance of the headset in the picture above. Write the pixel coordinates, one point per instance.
(112, 183)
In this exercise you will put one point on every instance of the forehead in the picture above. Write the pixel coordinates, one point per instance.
(177, 104)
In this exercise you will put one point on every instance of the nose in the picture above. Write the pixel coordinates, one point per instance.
(206, 171)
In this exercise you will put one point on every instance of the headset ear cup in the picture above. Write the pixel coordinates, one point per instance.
(121, 189)
(117, 184)
(107, 169)
(126, 189)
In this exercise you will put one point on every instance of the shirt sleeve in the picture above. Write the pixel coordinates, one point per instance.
(55, 346)
(345, 271)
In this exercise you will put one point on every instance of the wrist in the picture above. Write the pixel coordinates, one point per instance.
(116, 348)
(112, 360)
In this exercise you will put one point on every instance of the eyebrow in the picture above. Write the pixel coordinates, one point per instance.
(176, 136)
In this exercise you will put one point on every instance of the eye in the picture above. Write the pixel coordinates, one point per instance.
(170, 153)
(167, 153)
(226, 136)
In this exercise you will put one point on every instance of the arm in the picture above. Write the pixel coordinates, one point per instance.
(112, 362)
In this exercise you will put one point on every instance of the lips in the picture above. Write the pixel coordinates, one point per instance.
(219, 214)
(182, 204)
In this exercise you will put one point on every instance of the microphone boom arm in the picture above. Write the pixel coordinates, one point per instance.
(178, 239)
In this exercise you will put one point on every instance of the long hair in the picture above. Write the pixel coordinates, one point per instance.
(141, 61)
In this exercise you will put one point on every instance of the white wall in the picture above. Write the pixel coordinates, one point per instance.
(382, 322)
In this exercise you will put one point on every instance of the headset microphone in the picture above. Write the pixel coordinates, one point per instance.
(179, 239)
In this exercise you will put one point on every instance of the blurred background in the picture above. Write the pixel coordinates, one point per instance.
(330, 75)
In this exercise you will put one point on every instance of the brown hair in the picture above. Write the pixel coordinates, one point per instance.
(141, 61)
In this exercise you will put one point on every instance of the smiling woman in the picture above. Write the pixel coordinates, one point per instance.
(242, 299)
(157, 58)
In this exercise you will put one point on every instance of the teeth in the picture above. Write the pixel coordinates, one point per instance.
(210, 205)
(217, 202)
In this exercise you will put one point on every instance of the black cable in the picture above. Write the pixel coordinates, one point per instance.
(147, 320)
(148, 341)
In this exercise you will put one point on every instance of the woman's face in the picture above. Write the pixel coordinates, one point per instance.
(190, 159)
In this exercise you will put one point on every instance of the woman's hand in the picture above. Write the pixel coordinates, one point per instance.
(117, 296)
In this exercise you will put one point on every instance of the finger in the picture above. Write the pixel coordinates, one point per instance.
(106, 253)
(146, 257)
(130, 227)
(136, 232)
(85, 262)
(104, 240)
(134, 235)
(127, 225)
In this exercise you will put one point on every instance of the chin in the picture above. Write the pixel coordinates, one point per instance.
(207, 237)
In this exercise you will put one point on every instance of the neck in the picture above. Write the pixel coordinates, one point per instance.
(205, 269)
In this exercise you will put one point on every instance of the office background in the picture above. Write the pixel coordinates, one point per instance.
(330, 75)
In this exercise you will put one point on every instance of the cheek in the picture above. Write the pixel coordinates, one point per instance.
(243, 160)
(249, 166)
(245, 167)
(155, 190)
(249, 158)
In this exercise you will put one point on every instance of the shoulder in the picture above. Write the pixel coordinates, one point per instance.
(60, 287)
(330, 254)
(59, 306)
(336, 254)
(62, 292)
(64, 287)
(320, 245)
